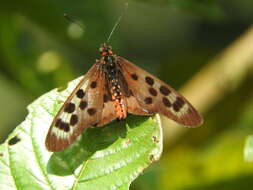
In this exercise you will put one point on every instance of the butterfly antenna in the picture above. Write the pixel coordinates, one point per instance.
(118, 21)
(72, 20)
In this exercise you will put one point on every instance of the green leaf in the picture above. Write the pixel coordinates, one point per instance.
(248, 149)
(109, 157)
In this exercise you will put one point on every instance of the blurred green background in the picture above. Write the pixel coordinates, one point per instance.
(174, 40)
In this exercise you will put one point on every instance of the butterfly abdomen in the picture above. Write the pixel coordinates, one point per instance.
(115, 88)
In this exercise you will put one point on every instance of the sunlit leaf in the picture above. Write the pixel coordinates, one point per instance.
(109, 157)
(248, 150)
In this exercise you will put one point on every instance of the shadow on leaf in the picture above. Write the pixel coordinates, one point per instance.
(93, 139)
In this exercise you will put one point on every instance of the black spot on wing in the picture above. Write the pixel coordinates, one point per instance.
(178, 104)
(63, 126)
(83, 104)
(58, 122)
(91, 111)
(73, 119)
(134, 76)
(152, 91)
(148, 100)
(164, 90)
(93, 84)
(69, 108)
(149, 80)
(166, 102)
(80, 93)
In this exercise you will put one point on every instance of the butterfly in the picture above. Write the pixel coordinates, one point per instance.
(112, 88)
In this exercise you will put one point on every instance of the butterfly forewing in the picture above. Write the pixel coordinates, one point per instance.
(81, 110)
(154, 96)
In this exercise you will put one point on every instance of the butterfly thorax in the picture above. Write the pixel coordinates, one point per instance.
(109, 61)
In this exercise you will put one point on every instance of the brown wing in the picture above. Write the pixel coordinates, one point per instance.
(82, 109)
(108, 113)
(155, 96)
(130, 101)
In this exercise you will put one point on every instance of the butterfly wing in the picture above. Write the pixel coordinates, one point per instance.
(130, 101)
(82, 109)
(108, 113)
(155, 96)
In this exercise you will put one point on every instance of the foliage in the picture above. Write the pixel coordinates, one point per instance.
(110, 157)
(248, 150)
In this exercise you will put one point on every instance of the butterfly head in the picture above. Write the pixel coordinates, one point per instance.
(105, 50)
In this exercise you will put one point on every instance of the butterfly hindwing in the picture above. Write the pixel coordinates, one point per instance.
(108, 113)
(81, 110)
(133, 106)
(155, 96)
